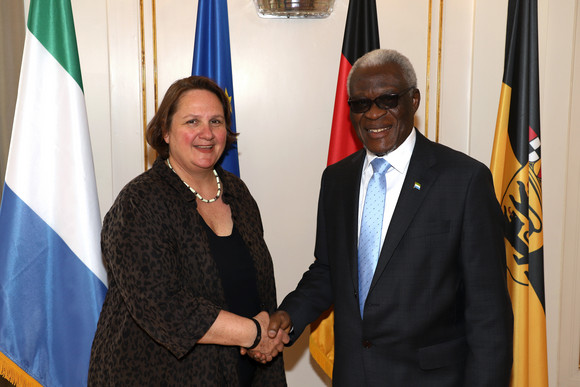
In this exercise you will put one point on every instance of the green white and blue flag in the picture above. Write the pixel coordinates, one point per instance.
(52, 281)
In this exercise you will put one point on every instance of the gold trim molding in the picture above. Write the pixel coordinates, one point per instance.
(428, 70)
(146, 149)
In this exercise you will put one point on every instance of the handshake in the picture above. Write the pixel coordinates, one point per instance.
(274, 334)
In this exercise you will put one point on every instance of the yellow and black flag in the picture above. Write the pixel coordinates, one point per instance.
(516, 166)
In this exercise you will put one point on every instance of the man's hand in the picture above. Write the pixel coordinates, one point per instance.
(279, 320)
(269, 346)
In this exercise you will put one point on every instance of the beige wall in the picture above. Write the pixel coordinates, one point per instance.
(569, 296)
(284, 81)
(11, 25)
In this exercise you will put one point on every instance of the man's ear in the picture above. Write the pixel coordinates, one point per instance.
(416, 99)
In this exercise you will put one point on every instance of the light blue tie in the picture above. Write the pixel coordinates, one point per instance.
(369, 243)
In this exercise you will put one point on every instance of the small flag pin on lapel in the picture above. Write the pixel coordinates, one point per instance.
(417, 186)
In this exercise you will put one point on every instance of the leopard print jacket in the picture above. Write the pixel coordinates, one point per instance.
(165, 290)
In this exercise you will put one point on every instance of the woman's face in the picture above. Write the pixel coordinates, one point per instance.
(197, 135)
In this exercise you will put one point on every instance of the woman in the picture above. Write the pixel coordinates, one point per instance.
(187, 263)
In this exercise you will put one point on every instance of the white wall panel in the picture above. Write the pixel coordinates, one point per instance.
(487, 72)
(91, 32)
(124, 40)
(568, 184)
(457, 56)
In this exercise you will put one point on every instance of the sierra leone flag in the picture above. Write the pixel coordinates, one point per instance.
(52, 282)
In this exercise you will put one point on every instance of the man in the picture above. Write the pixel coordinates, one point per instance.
(433, 308)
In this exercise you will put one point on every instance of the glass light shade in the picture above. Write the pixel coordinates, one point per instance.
(294, 8)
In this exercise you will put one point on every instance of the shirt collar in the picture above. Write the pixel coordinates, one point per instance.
(400, 157)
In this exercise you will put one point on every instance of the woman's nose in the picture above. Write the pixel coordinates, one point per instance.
(205, 131)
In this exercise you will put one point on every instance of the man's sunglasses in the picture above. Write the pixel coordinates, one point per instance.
(385, 101)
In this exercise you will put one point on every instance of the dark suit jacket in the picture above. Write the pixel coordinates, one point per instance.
(438, 312)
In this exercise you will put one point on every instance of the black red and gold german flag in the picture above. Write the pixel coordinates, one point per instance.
(361, 35)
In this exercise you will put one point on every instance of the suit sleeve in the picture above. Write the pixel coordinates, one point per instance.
(488, 312)
(313, 295)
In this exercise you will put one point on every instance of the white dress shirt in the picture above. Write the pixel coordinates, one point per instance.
(399, 160)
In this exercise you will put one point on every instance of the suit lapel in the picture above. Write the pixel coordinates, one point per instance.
(420, 171)
(350, 186)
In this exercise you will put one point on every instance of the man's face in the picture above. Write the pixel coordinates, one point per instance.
(383, 130)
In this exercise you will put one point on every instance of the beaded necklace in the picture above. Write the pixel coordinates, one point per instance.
(217, 179)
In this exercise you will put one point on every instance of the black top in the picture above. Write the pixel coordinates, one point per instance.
(238, 278)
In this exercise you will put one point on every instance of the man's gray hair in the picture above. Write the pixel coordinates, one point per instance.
(381, 57)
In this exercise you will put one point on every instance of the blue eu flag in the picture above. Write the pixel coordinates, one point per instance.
(212, 58)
